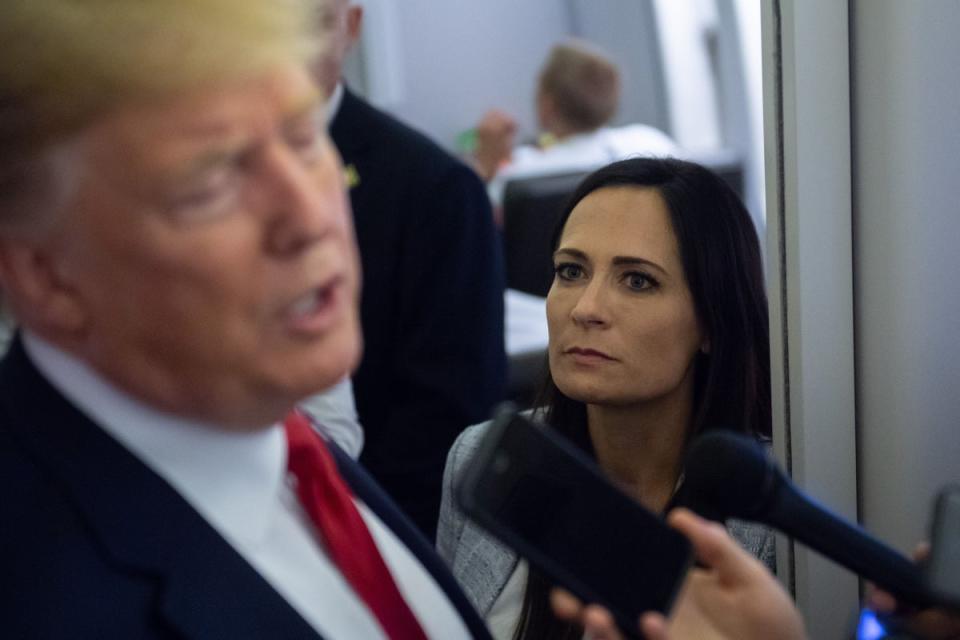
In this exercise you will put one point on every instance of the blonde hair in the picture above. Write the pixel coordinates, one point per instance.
(67, 62)
(583, 83)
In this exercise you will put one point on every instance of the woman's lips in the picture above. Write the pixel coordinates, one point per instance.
(588, 356)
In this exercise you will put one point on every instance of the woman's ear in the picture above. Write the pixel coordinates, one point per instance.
(705, 346)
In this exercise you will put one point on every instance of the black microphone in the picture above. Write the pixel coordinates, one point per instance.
(732, 475)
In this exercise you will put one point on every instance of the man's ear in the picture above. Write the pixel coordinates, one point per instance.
(545, 110)
(40, 299)
(354, 25)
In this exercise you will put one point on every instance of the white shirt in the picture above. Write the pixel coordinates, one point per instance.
(333, 104)
(581, 152)
(335, 414)
(237, 481)
(505, 611)
(525, 322)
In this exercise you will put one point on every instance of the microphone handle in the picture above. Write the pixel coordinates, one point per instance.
(848, 545)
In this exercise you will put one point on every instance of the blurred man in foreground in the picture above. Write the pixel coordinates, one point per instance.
(176, 246)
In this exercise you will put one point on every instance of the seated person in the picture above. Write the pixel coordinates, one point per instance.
(658, 331)
(578, 92)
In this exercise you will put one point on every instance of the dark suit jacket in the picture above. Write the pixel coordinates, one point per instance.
(93, 544)
(432, 302)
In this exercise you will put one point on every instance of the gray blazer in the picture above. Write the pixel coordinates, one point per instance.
(482, 565)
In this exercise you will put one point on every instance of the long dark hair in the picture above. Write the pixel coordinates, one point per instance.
(721, 259)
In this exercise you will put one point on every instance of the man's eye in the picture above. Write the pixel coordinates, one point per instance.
(306, 141)
(213, 195)
(568, 271)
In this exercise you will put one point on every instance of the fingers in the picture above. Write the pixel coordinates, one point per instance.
(712, 545)
(597, 622)
(654, 627)
(497, 123)
(881, 601)
(565, 606)
(936, 624)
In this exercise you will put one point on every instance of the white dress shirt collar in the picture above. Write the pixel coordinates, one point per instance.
(232, 478)
(333, 104)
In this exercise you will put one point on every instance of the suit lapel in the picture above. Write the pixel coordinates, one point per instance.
(366, 489)
(484, 564)
(205, 588)
(348, 135)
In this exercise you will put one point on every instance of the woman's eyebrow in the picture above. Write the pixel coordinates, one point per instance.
(626, 261)
(573, 253)
(618, 261)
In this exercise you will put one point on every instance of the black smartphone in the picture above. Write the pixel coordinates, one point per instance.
(544, 498)
(943, 565)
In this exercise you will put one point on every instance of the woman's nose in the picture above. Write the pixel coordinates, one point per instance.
(590, 309)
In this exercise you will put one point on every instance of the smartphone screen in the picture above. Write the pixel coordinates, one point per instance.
(548, 501)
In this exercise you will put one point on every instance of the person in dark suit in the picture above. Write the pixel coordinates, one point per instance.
(432, 302)
(177, 249)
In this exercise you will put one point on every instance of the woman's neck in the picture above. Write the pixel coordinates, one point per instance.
(641, 447)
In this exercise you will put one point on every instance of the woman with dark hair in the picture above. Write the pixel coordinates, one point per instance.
(658, 331)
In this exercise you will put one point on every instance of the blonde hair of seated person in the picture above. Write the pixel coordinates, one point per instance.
(578, 89)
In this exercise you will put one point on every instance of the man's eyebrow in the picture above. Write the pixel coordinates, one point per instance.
(306, 106)
(206, 161)
(230, 150)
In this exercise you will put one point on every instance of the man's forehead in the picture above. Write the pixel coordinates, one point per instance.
(170, 139)
(223, 110)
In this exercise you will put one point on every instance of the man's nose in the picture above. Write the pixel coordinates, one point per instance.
(307, 200)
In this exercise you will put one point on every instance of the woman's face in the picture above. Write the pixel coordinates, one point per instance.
(623, 330)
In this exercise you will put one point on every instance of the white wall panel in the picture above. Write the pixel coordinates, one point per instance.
(907, 193)
(809, 250)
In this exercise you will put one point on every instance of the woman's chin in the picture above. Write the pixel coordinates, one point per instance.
(586, 393)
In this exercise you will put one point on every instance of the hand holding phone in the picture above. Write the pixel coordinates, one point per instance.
(544, 498)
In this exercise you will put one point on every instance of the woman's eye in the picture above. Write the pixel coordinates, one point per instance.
(569, 271)
(640, 281)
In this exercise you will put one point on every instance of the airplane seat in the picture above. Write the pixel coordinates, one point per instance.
(531, 210)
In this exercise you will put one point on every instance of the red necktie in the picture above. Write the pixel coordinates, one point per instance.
(329, 503)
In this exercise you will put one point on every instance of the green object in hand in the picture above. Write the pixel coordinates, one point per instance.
(467, 141)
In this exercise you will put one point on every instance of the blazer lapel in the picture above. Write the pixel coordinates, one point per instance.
(483, 565)
(366, 489)
(349, 135)
(205, 588)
